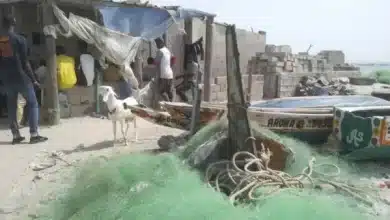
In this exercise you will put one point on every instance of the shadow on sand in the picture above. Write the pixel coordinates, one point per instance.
(94, 147)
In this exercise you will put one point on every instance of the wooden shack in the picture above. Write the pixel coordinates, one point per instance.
(32, 15)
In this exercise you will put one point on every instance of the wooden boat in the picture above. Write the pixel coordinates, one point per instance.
(363, 132)
(306, 118)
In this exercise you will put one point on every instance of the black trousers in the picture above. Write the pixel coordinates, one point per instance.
(166, 89)
(3, 105)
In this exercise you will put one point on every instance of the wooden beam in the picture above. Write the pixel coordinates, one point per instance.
(208, 58)
(195, 116)
(138, 68)
(249, 88)
(188, 30)
(239, 128)
(51, 103)
(99, 71)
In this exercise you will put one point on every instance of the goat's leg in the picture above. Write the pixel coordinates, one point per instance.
(114, 130)
(123, 132)
(135, 129)
(127, 131)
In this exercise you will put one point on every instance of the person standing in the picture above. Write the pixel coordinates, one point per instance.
(18, 78)
(163, 61)
(40, 73)
(3, 101)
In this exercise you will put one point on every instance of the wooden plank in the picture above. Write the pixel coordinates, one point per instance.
(208, 57)
(239, 129)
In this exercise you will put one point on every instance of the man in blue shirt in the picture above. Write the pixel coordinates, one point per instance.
(18, 78)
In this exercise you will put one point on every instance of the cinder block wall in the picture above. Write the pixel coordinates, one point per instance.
(248, 44)
(219, 88)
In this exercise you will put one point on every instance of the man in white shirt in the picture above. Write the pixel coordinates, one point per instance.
(163, 62)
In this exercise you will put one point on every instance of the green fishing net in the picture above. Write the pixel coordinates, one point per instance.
(151, 187)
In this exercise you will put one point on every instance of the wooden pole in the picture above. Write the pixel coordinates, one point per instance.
(165, 39)
(188, 30)
(195, 116)
(249, 88)
(239, 128)
(208, 58)
(150, 49)
(51, 103)
(138, 69)
(99, 71)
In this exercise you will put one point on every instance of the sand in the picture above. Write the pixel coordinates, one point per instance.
(75, 140)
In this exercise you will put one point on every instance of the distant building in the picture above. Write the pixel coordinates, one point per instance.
(334, 57)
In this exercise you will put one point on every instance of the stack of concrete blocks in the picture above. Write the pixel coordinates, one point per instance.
(282, 71)
(270, 65)
(275, 62)
(219, 88)
(81, 99)
(270, 48)
(307, 63)
(287, 82)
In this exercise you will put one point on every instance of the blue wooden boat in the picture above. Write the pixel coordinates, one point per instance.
(315, 111)
(320, 102)
(363, 132)
(309, 119)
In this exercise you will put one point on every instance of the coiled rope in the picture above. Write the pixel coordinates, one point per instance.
(247, 175)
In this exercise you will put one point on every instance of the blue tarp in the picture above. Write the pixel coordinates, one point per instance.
(146, 22)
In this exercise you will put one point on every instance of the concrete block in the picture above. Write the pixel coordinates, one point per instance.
(213, 96)
(274, 69)
(220, 79)
(270, 48)
(221, 96)
(215, 88)
(272, 59)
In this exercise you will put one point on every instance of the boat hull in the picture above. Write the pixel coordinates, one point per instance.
(312, 126)
(363, 132)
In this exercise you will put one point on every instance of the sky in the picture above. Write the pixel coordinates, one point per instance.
(358, 27)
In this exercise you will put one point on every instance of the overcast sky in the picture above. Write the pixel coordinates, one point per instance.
(358, 27)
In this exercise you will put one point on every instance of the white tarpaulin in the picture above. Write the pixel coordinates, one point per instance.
(117, 47)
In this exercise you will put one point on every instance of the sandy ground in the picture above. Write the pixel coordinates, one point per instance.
(22, 188)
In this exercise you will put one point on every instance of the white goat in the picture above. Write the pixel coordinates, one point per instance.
(119, 111)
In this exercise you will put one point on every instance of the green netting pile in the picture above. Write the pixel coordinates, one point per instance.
(151, 187)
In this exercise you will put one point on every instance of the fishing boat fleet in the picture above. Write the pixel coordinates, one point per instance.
(360, 124)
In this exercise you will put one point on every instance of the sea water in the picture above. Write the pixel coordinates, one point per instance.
(367, 70)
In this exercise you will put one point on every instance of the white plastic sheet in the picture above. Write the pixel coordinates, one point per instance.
(117, 47)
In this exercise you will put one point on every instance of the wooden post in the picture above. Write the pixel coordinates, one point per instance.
(138, 69)
(195, 116)
(188, 30)
(99, 80)
(249, 88)
(239, 128)
(150, 49)
(208, 58)
(51, 103)
(165, 39)
(98, 56)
